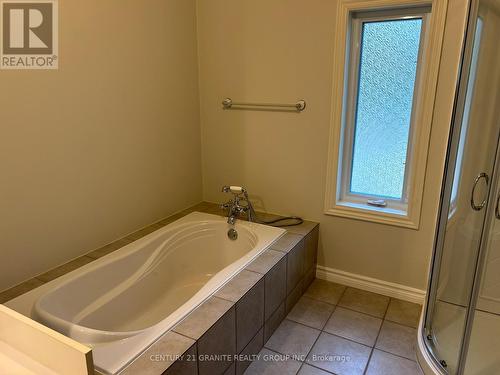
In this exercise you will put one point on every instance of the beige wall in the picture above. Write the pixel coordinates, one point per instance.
(108, 143)
(111, 141)
(281, 51)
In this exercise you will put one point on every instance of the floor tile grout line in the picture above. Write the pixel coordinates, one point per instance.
(334, 334)
(320, 333)
(322, 330)
(309, 351)
(372, 348)
(396, 323)
(376, 339)
(382, 319)
(334, 309)
(328, 333)
(319, 368)
(341, 295)
(395, 355)
(302, 324)
(275, 351)
(361, 312)
(399, 324)
(347, 339)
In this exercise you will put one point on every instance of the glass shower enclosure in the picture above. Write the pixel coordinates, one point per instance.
(461, 328)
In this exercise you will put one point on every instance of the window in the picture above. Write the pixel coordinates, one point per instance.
(378, 149)
(382, 109)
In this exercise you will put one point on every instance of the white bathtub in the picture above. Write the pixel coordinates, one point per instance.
(123, 302)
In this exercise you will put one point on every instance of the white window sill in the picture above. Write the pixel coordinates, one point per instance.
(381, 215)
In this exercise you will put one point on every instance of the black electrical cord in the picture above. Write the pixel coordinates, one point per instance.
(253, 215)
(274, 222)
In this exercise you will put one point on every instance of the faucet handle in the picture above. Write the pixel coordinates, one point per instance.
(236, 190)
(225, 206)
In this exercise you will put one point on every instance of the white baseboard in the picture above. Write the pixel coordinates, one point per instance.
(370, 284)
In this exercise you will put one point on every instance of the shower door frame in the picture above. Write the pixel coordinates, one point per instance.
(461, 91)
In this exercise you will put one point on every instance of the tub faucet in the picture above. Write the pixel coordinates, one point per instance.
(234, 206)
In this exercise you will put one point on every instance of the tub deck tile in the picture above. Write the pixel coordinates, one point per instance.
(213, 208)
(287, 242)
(20, 289)
(266, 261)
(303, 229)
(65, 268)
(203, 318)
(161, 355)
(107, 249)
(144, 232)
(239, 285)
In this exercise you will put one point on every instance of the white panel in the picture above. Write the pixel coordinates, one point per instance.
(16, 28)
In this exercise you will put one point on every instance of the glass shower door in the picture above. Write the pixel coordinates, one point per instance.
(483, 350)
(470, 167)
(483, 353)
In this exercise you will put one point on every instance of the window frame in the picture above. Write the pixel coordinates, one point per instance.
(356, 34)
(339, 200)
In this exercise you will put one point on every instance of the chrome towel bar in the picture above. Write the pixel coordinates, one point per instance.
(299, 106)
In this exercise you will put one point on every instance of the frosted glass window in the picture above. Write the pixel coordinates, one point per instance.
(386, 81)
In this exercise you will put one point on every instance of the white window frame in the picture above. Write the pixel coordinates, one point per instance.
(339, 201)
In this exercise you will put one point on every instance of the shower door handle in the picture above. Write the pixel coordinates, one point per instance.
(478, 207)
(497, 208)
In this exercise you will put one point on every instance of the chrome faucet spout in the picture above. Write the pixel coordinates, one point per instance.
(234, 207)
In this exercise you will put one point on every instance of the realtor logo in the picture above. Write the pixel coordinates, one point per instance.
(29, 35)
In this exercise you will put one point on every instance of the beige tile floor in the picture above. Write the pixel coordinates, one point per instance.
(339, 330)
